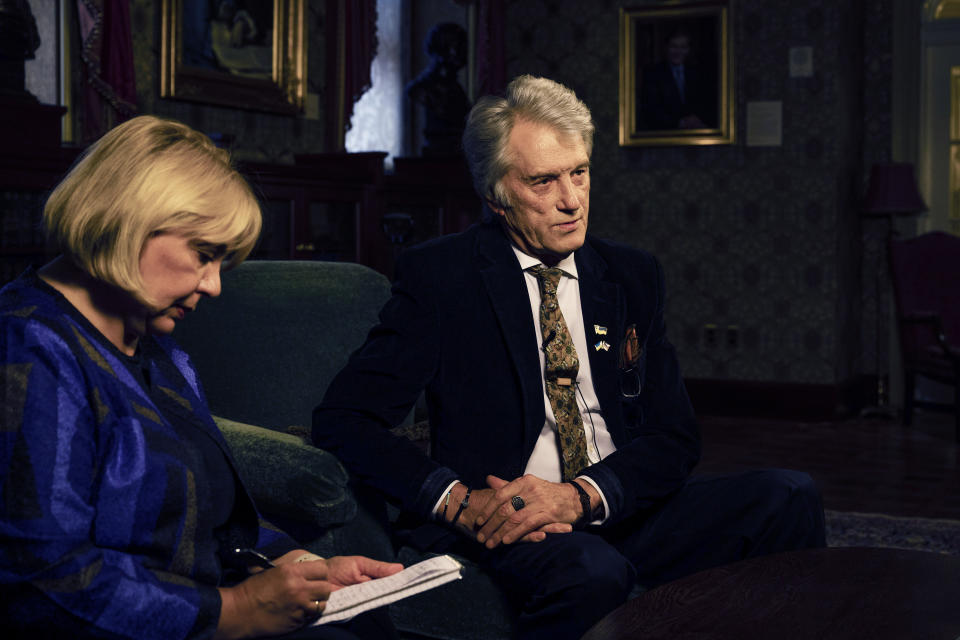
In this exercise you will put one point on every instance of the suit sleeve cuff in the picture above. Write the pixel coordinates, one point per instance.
(433, 490)
(606, 482)
(436, 507)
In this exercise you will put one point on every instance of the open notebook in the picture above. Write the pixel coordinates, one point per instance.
(350, 601)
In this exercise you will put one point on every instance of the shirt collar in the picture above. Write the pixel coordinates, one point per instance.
(568, 265)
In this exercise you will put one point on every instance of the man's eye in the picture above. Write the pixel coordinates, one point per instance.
(205, 258)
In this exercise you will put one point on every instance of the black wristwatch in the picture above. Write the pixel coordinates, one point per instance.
(463, 505)
(585, 503)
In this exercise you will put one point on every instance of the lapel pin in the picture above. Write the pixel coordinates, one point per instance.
(600, 331)
(602, 346)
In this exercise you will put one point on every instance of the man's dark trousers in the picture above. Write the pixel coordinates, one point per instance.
(568, 582)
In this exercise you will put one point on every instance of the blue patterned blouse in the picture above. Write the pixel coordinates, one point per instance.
(119, 499)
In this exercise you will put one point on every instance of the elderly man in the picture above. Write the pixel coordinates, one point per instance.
(562, 437)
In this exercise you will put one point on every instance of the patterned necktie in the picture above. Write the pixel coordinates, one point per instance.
(560, 375)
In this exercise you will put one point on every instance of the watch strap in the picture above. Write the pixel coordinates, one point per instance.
(463, 505)
(585, 503)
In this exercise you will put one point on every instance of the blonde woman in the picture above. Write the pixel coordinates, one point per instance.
(121, 505)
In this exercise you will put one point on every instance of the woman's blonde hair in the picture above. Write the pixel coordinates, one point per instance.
(145, 176)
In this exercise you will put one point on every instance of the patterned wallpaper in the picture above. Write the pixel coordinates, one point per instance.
(763, 239)
(256, 135)
(877, 147)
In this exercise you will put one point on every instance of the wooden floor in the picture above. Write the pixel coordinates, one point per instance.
(868, 465)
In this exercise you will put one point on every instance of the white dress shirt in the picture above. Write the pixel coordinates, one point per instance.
(544, 461)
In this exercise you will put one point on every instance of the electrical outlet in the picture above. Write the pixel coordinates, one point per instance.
(733, 336)
(710, 336)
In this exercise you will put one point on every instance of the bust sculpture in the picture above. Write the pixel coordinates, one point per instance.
(19, 40)
(445, 103)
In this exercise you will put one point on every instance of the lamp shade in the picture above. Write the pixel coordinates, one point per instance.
(892, 191)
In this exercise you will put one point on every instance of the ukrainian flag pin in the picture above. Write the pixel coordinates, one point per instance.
(600, 331)
(602, 346)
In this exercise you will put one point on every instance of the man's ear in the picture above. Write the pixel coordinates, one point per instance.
(496, 208)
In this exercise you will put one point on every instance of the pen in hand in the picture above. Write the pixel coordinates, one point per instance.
(253, 557)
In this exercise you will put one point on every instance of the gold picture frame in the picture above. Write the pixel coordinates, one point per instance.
(229, 60)
(662, 106)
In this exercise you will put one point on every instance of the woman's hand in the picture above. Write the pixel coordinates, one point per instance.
(274, 601)
(343, 571)
(283, 599)
(297, 555)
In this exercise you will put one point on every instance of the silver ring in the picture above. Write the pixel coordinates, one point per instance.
(319, 612)
(517, 503)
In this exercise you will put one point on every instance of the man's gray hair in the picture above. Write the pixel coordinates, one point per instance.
(491, 120)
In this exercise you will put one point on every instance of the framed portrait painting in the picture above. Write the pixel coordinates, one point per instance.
(245, 54)
(676, 74)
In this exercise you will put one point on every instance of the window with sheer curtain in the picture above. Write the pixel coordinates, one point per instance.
(376, 124)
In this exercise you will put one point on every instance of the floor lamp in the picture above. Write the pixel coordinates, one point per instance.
(892, 193)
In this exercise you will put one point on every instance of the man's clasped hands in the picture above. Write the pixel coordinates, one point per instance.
(491, 517)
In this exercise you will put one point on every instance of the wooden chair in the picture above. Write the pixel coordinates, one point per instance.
(926, 284)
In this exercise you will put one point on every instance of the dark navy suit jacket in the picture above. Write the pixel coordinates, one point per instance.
(662, 106)
(459, 326)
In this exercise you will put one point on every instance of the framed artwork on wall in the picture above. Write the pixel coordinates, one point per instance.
(676, 74)
(247, 55)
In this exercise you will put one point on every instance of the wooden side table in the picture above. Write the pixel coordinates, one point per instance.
(838, 593)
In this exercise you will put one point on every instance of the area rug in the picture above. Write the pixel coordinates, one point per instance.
(851, 529)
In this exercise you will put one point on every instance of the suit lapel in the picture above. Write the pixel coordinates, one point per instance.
(602, 305)
(508, 295)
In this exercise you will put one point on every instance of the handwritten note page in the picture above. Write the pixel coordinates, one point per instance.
(350, 601)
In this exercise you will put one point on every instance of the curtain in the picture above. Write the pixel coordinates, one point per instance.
(108, 95)
(356, 22)
(490, 46)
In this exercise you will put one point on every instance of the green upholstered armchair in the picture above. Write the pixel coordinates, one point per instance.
(266, 349)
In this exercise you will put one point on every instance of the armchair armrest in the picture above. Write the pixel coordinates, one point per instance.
(289, 478)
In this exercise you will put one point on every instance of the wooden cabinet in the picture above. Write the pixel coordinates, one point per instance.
(351, 209)
(339, 206)
(438, 193)
(330, 206)
(26, 179)
(32, 162)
